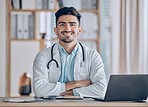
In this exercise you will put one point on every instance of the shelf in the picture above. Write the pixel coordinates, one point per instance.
(89, 11)
(87, 39)
(20, 10)
(20, 40)
(79, 39)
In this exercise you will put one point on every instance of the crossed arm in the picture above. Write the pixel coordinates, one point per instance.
(75, 84)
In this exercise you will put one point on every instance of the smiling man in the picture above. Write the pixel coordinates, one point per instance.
(68, 67)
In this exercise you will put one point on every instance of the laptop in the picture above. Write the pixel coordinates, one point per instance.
(127, 88)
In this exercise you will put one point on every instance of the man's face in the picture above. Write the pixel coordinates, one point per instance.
(67, 28)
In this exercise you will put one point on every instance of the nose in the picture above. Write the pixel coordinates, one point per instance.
(67, 27)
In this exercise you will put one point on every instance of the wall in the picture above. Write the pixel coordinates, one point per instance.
(2, 48)
(21, 62)
(33, 49)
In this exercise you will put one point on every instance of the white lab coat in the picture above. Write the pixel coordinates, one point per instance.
(45, 81)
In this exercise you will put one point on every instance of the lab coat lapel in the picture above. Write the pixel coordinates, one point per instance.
(56, 56)
(78, 60)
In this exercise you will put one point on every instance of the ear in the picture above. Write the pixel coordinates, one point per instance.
(55, 30)
(79, 30)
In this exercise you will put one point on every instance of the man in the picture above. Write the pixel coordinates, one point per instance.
(67, 67)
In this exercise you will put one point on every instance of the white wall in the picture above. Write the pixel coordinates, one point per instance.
(2, 48)
(23, 54)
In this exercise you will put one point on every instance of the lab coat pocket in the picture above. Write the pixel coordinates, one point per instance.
(84, 74)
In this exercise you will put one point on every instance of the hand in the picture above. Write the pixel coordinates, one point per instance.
(77, 84)
(66, 93)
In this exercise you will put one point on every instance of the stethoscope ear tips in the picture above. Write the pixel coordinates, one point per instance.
(83, 64)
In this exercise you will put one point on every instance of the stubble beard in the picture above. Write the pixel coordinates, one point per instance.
(65, 41)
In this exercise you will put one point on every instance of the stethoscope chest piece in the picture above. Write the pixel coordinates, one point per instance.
(83, 64)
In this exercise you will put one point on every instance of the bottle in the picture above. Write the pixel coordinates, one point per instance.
(25, 85)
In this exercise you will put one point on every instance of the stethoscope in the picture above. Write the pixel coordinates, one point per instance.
(52, 59)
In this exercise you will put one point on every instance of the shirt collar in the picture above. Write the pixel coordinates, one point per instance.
(62, 50)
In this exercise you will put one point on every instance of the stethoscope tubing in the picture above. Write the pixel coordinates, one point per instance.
(52, 59)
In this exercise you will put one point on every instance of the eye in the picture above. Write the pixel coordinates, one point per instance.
(62, 24)
(72, 24)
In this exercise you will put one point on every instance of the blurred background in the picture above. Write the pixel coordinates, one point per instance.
(117, 29)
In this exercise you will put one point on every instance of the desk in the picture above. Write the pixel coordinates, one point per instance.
(73, 103)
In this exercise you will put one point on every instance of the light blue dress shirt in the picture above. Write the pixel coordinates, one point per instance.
(67, 65)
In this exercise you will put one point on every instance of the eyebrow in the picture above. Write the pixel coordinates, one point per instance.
(68, 22)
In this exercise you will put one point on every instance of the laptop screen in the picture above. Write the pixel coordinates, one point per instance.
(127, 88)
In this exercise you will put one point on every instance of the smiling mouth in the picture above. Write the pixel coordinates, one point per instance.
(67, 33)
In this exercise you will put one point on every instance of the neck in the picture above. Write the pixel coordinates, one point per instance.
(68, 46)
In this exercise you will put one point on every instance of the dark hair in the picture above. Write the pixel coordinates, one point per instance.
(67, 11)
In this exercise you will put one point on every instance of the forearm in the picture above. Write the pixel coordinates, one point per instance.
(96, 90)
(76, 84)
(69, 86)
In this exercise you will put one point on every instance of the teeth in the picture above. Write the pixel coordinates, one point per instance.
(64, 33)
